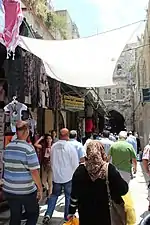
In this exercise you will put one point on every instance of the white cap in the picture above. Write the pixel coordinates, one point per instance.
(123, 134)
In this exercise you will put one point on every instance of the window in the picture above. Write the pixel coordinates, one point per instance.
(107, 90)
(107, 94)
(120, 93)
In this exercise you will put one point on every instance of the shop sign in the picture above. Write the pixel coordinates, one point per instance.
(146, 94)
(72, 103)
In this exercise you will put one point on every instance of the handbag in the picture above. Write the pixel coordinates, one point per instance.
(129, 208)
(117, 211)
(73, 221)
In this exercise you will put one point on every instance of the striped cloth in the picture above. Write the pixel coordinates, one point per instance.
(19, 159)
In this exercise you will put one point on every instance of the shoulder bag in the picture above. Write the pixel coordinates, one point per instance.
(117, 211)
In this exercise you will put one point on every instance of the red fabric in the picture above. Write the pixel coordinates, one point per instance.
(13, 20)
(89, 125)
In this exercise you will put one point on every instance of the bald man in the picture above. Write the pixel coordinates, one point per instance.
(64, 161)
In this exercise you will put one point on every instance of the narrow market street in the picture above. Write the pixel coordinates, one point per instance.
(74, 95)
(139, 193)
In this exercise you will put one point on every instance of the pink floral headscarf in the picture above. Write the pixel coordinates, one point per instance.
(96, 163)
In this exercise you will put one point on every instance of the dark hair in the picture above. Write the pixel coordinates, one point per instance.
(46, 136)
(95, 136)
(88, 135)
(106, 133)
(52, 131)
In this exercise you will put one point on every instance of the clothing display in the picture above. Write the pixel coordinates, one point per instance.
(15, 108)
(30, 71)
(36, 86)
(43, 88)
(32, 123)
(2, 21)
(89, 125)
(55, 94)
(12, 11)
(2, 93)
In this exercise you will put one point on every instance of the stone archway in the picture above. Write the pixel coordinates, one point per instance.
(116, 121)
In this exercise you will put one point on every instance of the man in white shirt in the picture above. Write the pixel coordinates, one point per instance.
(64, 161)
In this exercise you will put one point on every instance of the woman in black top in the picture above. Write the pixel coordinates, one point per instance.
(89, 193)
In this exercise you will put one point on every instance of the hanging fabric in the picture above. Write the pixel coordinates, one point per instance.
(2, 21)
(11, 18)
(15, 109)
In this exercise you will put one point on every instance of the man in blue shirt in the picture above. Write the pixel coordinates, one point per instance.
(132, 140)
(78, 146)
(22, 184)
(105, 141)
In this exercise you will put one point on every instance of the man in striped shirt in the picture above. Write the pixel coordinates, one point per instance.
(22, 185)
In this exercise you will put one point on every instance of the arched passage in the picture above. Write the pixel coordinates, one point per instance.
(117, 121)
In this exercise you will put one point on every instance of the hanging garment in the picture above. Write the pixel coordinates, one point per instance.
(89, 125)
(15, 110)
(13, 21)
(55, 94)
(32, 123)
(43, 87)
(31, 75)
(2, 21)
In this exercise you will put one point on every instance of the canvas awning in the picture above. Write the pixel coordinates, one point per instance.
(84, 62)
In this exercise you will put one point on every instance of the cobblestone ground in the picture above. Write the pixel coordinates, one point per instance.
(138, 189)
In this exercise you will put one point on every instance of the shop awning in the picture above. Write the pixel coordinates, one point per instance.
(85, 62)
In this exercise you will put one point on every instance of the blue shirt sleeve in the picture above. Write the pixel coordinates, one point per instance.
(32, 159)
(81, 151)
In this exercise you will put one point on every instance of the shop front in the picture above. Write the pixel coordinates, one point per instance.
(74, 108)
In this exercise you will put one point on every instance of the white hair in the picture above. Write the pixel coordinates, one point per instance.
(123, 135)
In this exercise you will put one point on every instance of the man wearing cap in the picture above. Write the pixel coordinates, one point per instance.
(78, 146)
(22, 185)
(123, 155)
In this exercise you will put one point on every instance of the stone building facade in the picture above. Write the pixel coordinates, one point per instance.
(119, 98)
(71, 28)
(142, 72)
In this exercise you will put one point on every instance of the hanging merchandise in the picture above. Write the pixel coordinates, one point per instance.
(2, 21)
(12, 17)
(32, 124)
(89, 125)
(15, 109)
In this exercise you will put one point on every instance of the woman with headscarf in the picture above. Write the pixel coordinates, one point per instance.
(89, 192)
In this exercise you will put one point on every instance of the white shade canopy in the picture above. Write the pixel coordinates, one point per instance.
(84, 62)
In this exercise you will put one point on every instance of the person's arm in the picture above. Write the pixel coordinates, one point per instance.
(133, 158)
(134, 162)
(82, 154)
(135, 145)
(73, 157)
(118, 186)
(37, 143)
(34, 166)
(110, 154)
(145, 160)
(37, 180)
(145, 166)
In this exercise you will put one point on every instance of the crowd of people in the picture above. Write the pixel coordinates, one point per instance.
(65, 164)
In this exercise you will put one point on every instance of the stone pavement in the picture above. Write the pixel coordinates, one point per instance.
(138, 189)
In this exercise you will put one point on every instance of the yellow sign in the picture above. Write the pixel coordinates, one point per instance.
(72, 103)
